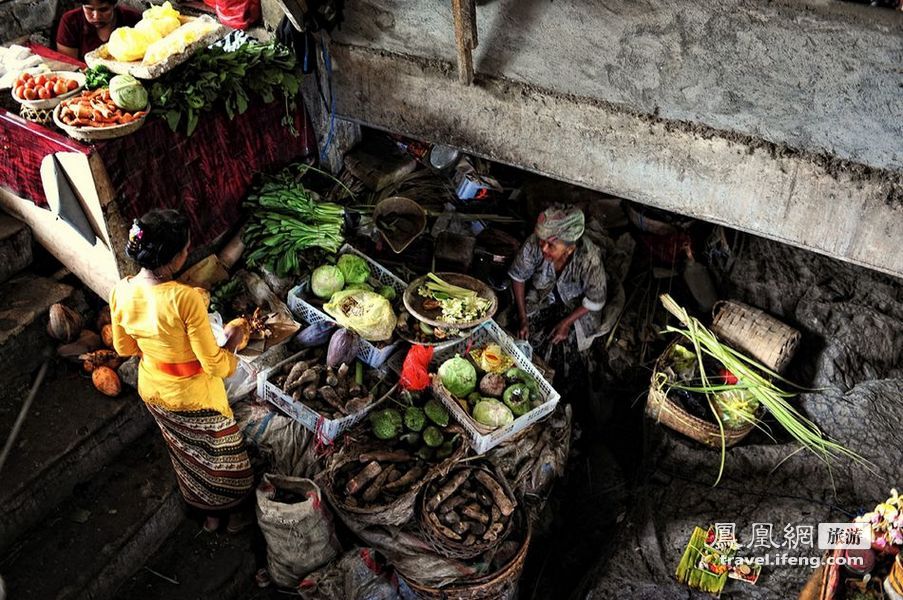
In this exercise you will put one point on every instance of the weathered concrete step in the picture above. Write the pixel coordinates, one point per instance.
(205, 565)
(71, 432)
(15, 246)
(102, 533)
(24, 302)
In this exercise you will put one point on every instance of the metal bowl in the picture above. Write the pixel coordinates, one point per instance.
(413, 301)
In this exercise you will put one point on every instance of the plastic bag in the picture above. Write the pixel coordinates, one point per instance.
(415, 375)
(366, 313)
(297, 527)
(238, 14)
(357, 575)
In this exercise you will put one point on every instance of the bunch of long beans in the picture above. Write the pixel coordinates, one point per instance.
(756, 378)
(286, 219)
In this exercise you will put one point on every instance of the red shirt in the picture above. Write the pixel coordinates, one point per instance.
(74, 30)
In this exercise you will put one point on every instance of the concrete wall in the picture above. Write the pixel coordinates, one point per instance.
(778, 118)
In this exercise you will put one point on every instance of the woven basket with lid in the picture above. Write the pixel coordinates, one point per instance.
(755, 333)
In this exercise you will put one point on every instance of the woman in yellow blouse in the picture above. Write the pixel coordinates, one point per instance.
(180, 376)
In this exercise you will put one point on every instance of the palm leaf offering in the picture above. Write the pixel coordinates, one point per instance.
(754, 387)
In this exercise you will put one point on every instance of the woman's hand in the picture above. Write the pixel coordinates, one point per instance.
(234, 336)
(560, 332)
(524, 331)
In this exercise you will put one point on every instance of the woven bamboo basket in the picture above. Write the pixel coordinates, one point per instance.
(755, 333)
(399, 511)
(668, 413)
(501, 585)
(448, 547)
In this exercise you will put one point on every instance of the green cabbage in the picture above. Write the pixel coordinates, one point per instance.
(354, 268)
(127, 93)
(458, 376)
(492, 413)
(326, 281)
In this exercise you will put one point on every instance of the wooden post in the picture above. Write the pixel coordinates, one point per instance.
(465, 14)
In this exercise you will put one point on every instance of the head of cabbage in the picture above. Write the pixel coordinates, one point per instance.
(354, 268)
(326, 281)
(492, 413)
(127, 93)
(458, 376)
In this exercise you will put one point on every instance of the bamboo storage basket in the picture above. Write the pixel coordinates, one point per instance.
(666, 412)
(755, 333)
(501, 585)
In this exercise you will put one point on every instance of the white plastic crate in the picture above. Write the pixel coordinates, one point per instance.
(302, 309)
(487, 333)
(325, 429)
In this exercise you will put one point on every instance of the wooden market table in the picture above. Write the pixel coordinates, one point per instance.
(206, 176)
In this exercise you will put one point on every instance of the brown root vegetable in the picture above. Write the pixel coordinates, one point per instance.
(106, 381)
(506, 505)
(374, 489)
(64, 324)
(87, 341)
(474, 512)
(451, 518)
(477, 529)
(331, 379)
(442, 528)
(329, 395)
(493, 385)
(310, 392)
(396, 475)
(385, 456)
(296, 395)
(451, 504)
(484, 499)
(461, 528)
(366, 475)
(493, 532)
(470, 540)
(405, 480)
(296, 370)
(308, 376)
(100, 358)
(447, 489)
(356, 405)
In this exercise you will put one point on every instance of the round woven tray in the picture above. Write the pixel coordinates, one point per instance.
(93, 134)
(666, 412)
(414, 301)
(52, 103)
(501, 585)
(755, 333)
(451, 548)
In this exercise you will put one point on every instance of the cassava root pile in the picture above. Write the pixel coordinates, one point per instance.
(469, 507)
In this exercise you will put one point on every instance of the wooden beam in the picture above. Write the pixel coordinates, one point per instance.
(465, 14)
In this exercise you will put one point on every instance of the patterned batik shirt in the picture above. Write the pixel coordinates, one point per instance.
(582, 282)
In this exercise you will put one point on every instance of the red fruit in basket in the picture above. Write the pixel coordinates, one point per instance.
(60, 88)
(20, 91)
(44, 94)
(71, 84)
(40, 80)
(25, 76)
(30, 94)
(30, 84)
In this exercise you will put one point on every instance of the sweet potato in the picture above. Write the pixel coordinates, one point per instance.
(506, 505)
(366, 475)
(447, 489)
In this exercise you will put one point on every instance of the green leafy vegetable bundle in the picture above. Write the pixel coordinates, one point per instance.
(98, 77)
(286, 219)
(215, 76)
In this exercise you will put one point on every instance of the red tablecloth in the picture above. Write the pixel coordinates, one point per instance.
(206, 175)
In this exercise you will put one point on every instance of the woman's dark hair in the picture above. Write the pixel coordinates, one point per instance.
(157, 237)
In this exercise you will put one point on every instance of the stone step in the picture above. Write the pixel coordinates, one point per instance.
(203, 565)
(101, 534)
(71, 432)
(15, 246)
(24, 302)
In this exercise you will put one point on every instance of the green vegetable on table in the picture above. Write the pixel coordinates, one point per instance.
(326, 281)
(492, 413)
(386, 423)
(354, 268)
(98, 77)
(232, 79)
(432, 437)
(458, 304)
(387, 292)
(458, 376)
(414, 418)
(127, 93)
(436, 413)
(517, 398)
(286, 219)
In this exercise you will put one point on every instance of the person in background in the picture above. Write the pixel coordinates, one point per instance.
(562, 309)
(181, 372)
(82, 30)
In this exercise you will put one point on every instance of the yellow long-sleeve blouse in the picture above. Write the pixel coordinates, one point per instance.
(168, 323)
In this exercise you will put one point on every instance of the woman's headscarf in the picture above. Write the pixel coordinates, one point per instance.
(560, 222)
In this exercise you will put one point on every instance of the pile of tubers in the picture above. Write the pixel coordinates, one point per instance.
(378, 477)
(469, 507)
(79, 343)
(334, 393)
